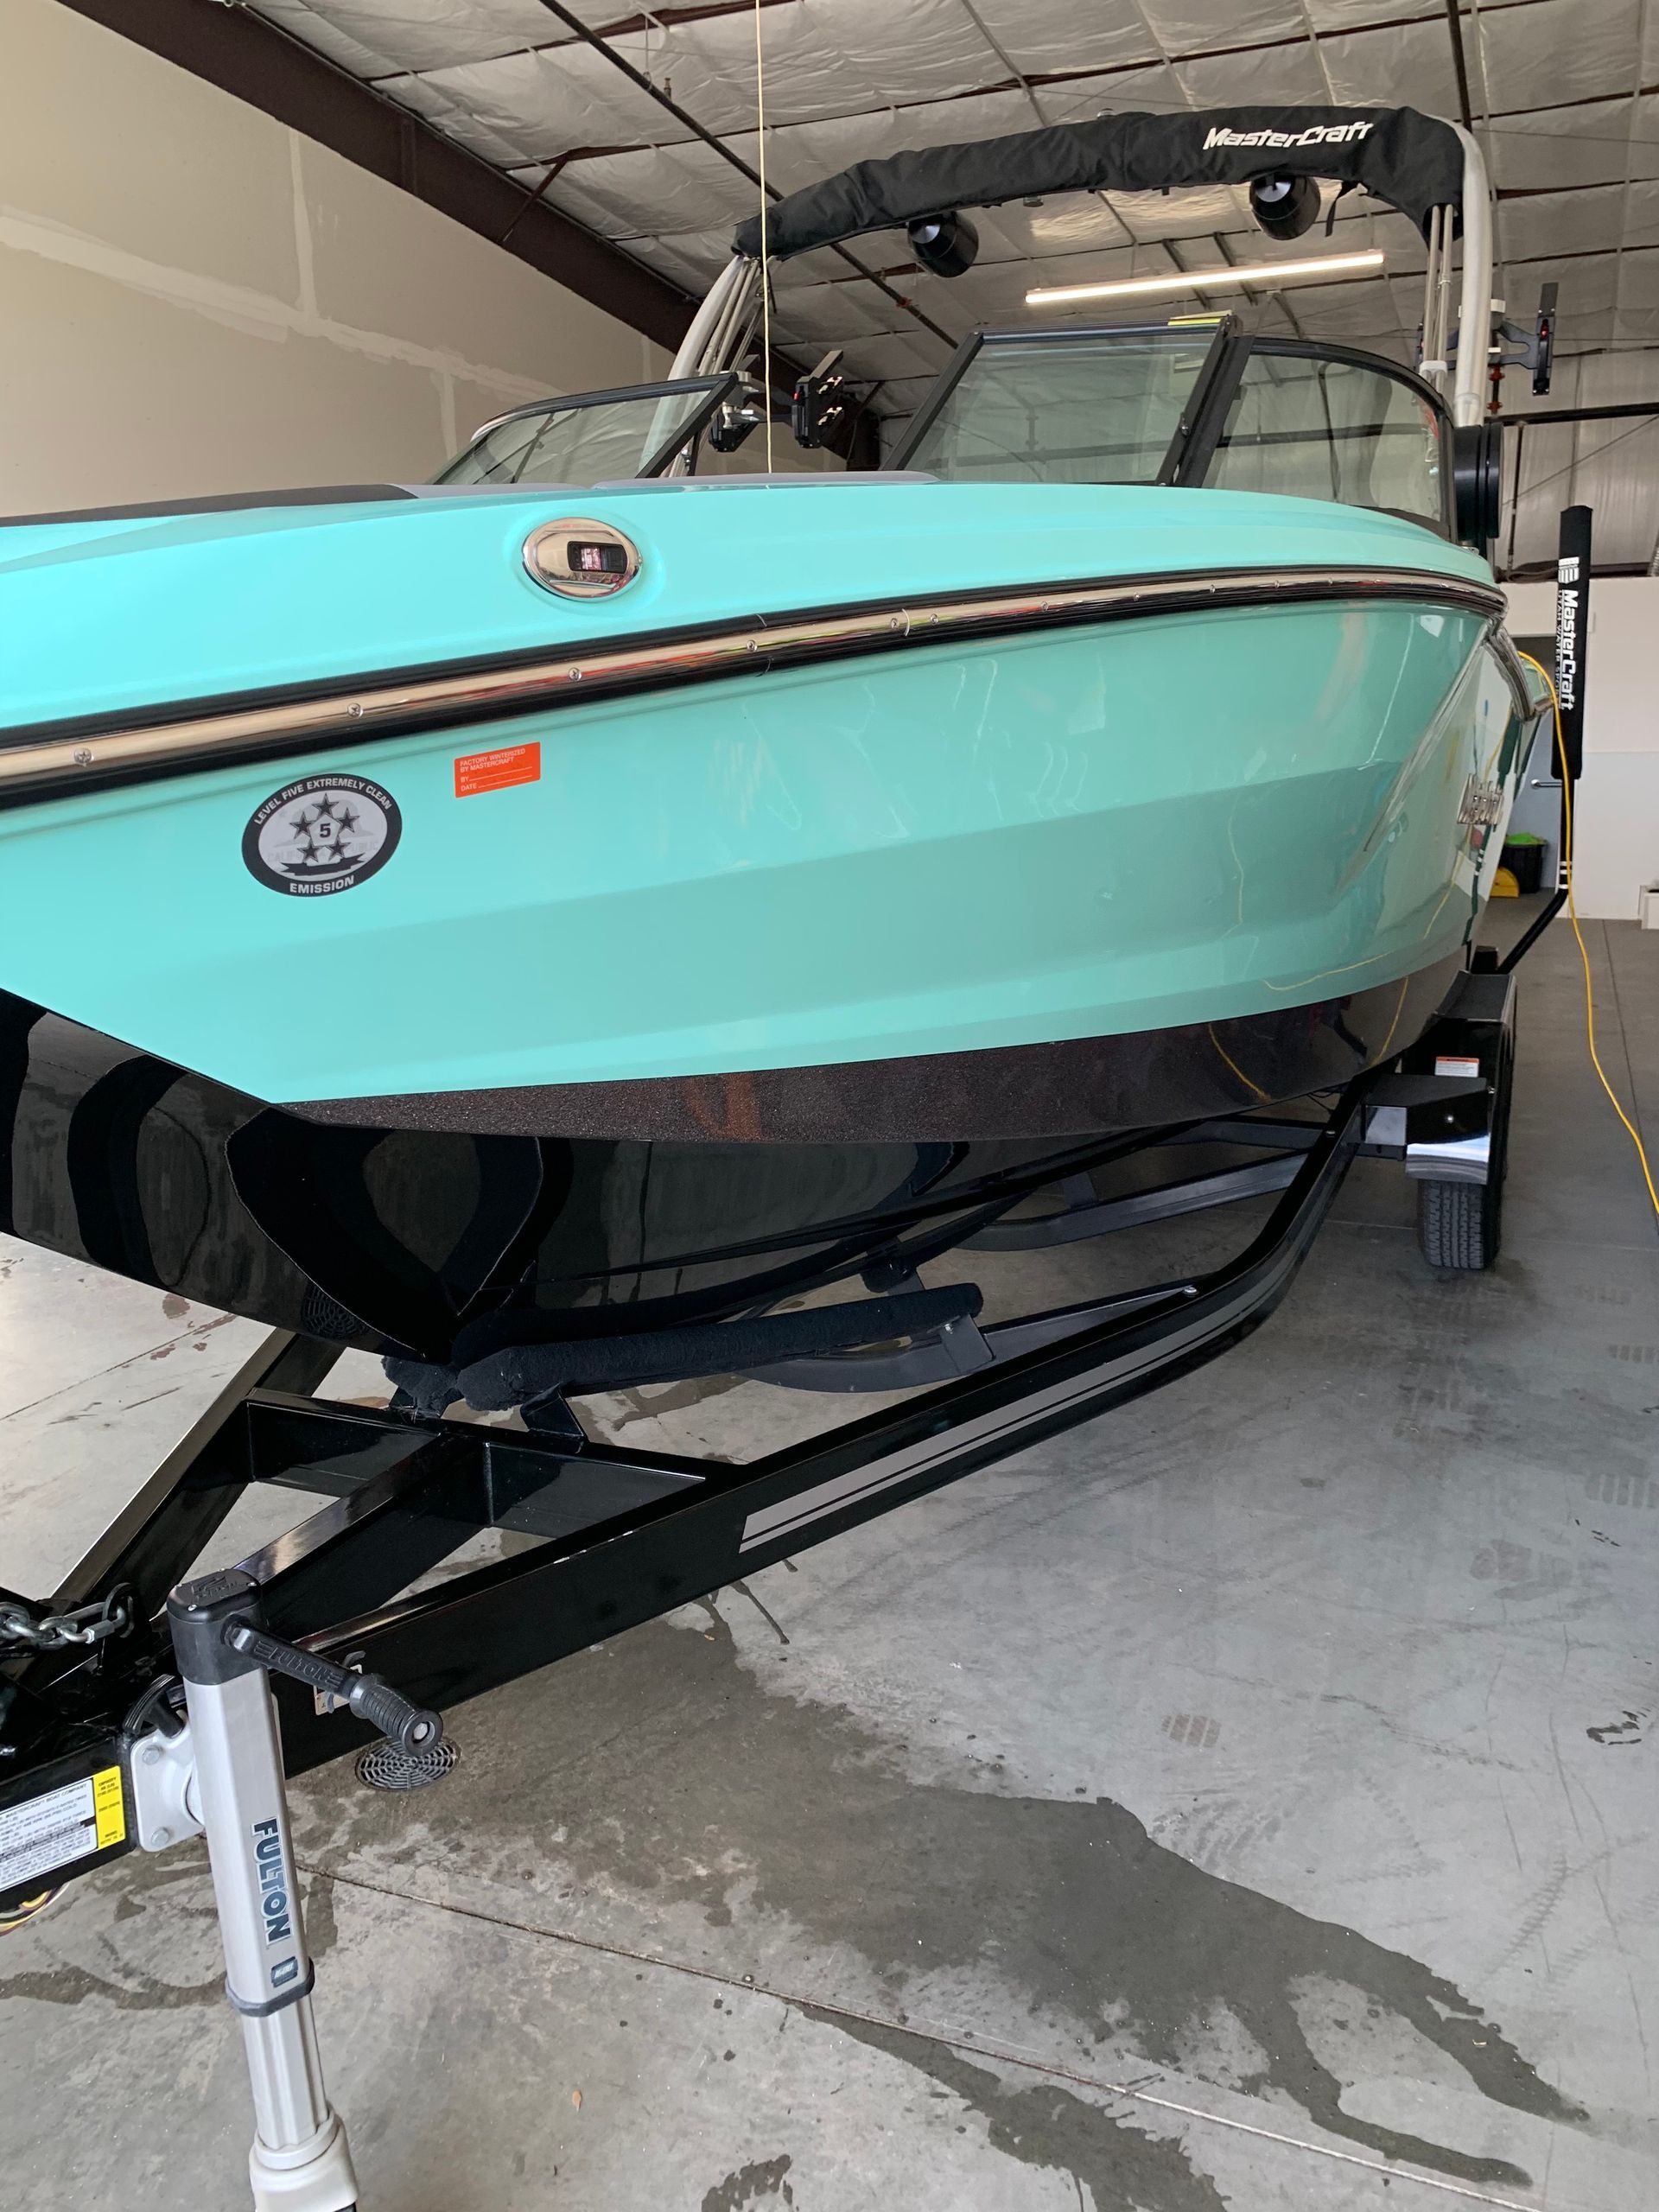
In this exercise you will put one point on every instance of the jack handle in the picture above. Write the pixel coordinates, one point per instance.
(409, 1726)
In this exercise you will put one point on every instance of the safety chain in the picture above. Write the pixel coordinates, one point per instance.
(84, 1624)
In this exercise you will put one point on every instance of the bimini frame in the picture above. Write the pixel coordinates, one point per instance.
(1457, 234)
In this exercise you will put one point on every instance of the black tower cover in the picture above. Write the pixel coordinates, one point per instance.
(1413, 162)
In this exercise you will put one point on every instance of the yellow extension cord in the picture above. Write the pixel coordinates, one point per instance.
(1584, 953)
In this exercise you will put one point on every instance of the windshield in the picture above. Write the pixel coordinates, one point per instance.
(1096, 408)
(1171, 406)
(597, 439)
(1331, 428)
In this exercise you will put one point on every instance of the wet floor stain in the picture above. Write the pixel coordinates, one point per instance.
(671, 1398)
(1524, 1576)
(1196, 1730)
(1124, 2168)
(665, 1771)
(760, 2182)
(1610, 1489)
(1613, 1733)
(163, 1910)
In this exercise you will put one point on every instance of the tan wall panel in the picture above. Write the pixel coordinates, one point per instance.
(120, 396)
(444, 287)
(105, 139)
(198, 300)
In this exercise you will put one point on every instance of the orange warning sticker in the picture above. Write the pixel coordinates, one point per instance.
(495, 771)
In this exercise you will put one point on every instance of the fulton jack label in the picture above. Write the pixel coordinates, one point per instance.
(274, 1904)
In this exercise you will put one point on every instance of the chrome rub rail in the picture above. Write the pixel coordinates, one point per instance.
(93, 750)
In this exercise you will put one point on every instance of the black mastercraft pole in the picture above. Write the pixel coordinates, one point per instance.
(1572, 633)
(1571, 653)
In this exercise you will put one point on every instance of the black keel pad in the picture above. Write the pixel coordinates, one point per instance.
(524, 1373)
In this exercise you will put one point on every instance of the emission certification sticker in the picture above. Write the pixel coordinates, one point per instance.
(321, 835)
(64, 1825)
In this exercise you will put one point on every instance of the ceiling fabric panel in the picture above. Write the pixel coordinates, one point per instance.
(327, 33)
(415, 34)
(1195, 26)
(1041, 35)
(1271, 75)
(1560, 149)
(1561, 50)
(1414, 60)
(1077, 99)
(546, 103)
(1565, 95)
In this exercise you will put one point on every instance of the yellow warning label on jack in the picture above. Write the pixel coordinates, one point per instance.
(109, 1807)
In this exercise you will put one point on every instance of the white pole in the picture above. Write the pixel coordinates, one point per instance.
(690, 360)
(705, 348)
(1475, 314)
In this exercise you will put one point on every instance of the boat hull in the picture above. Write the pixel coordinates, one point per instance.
(405, 1240)
(1089, 832)
(664, 980)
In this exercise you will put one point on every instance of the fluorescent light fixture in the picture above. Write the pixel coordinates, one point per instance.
(1210, 280)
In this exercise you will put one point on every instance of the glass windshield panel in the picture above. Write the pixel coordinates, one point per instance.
(1331, 429)
(600, 443)
(1099, 408)
(498, 455)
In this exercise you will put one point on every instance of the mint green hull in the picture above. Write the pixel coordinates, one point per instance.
(1080, 832)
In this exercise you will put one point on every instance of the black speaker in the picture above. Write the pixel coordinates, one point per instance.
(1285, 206)
(1478, 481)
(947, 245)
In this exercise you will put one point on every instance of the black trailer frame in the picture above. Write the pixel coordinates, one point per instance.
(626, 1537)
(138, 1709)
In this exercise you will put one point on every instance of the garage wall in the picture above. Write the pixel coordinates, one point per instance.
(1618, 800)
(197, 299)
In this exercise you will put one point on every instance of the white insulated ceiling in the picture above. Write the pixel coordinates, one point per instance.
(1564, 94)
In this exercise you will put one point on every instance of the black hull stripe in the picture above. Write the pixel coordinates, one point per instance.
(1068, 1089)
(45, 759)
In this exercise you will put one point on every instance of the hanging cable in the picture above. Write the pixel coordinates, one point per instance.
(1584, 951)
(765, 266)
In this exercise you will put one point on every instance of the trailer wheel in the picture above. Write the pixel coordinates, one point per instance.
(1459, 1225)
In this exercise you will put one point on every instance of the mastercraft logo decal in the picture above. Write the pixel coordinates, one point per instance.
(1481, 805)
(1318, 134)
(1568, 599)
(321, 835)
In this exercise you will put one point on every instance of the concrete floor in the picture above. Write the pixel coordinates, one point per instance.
(1248, 1801)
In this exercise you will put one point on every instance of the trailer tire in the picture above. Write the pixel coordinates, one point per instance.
(1461, 1225)
(1452, 1226)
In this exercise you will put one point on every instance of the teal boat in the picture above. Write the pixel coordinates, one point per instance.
(587, 893)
